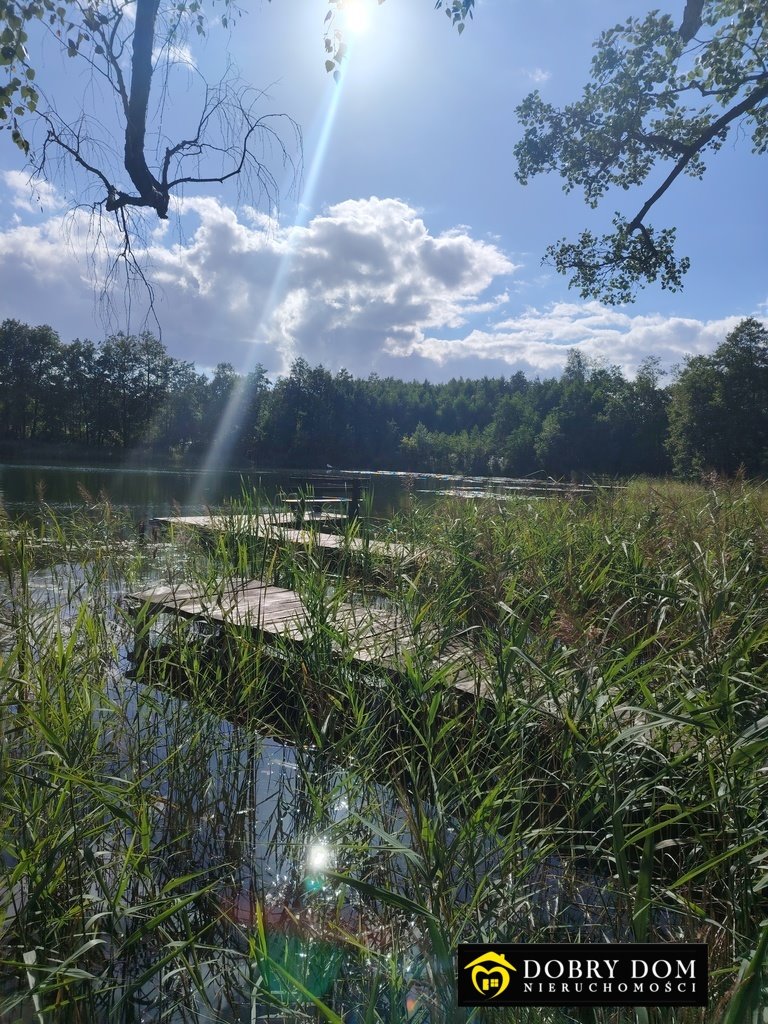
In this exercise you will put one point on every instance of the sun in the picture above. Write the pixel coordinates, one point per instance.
(357, 16)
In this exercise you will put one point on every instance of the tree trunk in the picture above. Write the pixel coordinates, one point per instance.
(138, 101)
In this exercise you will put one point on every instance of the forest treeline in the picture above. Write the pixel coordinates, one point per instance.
(127, 393)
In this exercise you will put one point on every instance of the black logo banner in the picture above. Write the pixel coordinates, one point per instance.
(590, 974)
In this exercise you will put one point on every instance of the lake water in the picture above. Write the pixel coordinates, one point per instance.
(148, 492)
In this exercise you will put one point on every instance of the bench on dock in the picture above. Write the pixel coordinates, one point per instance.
(306, 509)
(329, 489)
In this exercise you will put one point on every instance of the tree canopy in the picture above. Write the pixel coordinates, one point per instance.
(659, 94)
(127, 392)
(130, 44)
(719, 409)
(663, 96)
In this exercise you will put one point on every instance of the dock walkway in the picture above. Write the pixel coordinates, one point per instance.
(278, 528)
(377, 638)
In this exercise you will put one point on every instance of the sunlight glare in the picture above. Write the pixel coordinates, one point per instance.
(357, 17)
(318, 858)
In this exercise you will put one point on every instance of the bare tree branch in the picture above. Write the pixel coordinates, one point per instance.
(131, 45)
(227, 128)
(55, 137)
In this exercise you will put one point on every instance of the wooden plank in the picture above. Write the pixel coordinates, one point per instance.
(374, 636)
(316, 501)
(278, 531)
(248, 524)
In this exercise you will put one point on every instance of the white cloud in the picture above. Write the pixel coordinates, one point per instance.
(174, 53)
(32, 195)
(362, 276)
(537, 75)
(537, 341)
(366, 285)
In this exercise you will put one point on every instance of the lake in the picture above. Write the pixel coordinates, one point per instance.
(148, 492)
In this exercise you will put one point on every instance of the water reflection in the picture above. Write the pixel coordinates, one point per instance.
(199, 836)
(160, 492)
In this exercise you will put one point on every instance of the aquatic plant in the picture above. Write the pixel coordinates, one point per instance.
(202, 822)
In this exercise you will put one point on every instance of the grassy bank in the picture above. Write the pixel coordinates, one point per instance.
(165, 860)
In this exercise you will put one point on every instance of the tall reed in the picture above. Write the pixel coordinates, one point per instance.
(201, 822)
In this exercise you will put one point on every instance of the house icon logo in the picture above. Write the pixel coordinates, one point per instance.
(490, 974)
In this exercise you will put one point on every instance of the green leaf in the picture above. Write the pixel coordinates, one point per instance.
(746, 1002)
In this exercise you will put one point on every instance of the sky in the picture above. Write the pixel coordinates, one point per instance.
(403, 245)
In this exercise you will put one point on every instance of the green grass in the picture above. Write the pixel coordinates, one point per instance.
(613, 787)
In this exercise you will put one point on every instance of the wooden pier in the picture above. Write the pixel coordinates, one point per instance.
(376, 638)
(278, 528)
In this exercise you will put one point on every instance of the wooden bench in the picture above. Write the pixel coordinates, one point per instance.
(329, 489)
(306, 509)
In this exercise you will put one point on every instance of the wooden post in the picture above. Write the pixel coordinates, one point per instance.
(353, 507)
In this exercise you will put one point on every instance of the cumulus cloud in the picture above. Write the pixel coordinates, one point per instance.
(537, 341)
(33, 195)
(361, 277)
(365, 285)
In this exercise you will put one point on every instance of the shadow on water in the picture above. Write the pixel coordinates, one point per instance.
(308, 813)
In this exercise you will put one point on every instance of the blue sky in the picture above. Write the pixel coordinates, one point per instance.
(407, 247)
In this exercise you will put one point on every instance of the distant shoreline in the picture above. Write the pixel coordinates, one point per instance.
(66, 454)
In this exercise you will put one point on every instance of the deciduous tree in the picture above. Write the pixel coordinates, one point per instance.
(719, 408)
(139, 161)
(660, 95)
